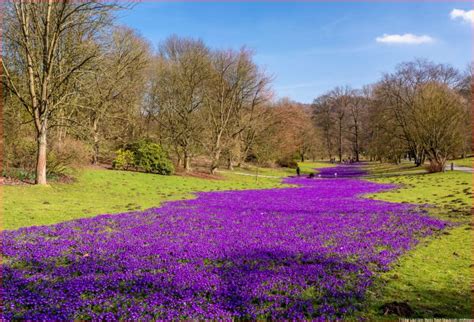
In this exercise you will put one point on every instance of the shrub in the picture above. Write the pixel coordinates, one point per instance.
(144, 155)
(20, 158)
(287, 163)
(19, 174)
(21, 154)
(124, 159)
(65, 155)
(71, 152)
(152, 158)
(55, 166)
(62, 157)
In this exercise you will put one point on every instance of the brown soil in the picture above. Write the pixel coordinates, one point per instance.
(401, 309)
(201, 175)
(4, 181)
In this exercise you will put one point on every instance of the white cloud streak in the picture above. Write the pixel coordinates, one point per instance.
(406, 39)
(459, 14)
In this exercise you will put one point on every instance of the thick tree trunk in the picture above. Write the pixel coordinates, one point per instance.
(186, 161)
(41, 157)
(437, 165)
(437, 161)
(215, 161)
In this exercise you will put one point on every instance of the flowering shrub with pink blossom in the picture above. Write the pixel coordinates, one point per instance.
(301, 252)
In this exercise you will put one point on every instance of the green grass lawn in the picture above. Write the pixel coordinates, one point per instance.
(434, 279)
(466, 162)
(385, 170)
(450, 192)
(308, 167)
(106, 191)
(99, 191)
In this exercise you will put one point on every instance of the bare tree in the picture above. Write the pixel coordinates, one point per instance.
(253, 139)
(324, 119)
(36, 71)
(340, 99)
(357, 108)
(254, 94)
(437, 119)
(109, 90)
(397, 93)
(233, 84)
(182, 79)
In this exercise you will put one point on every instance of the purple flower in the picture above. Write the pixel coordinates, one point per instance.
(302, 252)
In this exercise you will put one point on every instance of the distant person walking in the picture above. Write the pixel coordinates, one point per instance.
(298, 171)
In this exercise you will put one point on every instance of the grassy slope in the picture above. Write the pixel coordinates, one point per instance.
(306, 168)
(105, 191)
(466, 162)
(435, 277)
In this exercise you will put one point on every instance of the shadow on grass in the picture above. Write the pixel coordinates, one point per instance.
(426, 303)
(257, 283)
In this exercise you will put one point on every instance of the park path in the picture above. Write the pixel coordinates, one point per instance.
(463, 169)
(252, 174)
(286, 253)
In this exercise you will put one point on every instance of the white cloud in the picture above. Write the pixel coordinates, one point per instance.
(467, 16)
(409, 39)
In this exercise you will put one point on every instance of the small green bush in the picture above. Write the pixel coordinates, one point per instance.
(19, 174)
(55, 168)
(152, 158)
(20, 154)
(124, 159)
(145, 156)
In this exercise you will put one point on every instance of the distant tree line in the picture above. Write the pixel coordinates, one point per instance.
(77, 89)
(421, 111)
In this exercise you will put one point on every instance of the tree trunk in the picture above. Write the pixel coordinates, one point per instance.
(357, 144)
(328, 146)
(216, 155)
(41, 157)
(186, 161)
(96, 138)
(215, 161)
(340, 140)
(229, 163)
(437, 165)
(418, 157)
(178, 155)
(95, 155)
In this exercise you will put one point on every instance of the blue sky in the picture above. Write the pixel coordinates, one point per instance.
(311, 47)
